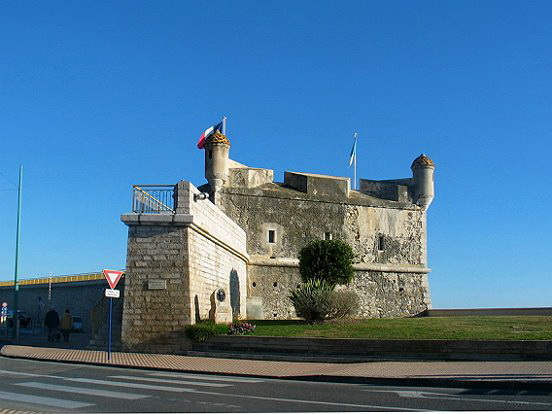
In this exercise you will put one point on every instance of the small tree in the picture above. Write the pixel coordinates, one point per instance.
(330, 261)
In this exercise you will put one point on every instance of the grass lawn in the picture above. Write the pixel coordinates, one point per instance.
(457, 327)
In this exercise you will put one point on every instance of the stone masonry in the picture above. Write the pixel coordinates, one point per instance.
(175, 263)
(388, 238)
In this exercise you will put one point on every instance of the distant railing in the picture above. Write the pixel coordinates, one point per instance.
(82, 277)
(154, 199)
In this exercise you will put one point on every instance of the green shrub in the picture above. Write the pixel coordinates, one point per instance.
(316, 301)
(343, 304)
(312, 300)
(202, 331)
(327, 260)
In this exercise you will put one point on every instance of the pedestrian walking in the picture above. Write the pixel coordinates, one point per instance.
(66, 325)
(51, 321)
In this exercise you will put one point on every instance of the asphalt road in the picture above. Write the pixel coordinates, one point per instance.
(56, 387)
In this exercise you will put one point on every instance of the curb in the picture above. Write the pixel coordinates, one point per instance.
(450, 382)
(430, 382)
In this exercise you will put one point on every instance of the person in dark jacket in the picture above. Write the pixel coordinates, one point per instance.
(51, 321)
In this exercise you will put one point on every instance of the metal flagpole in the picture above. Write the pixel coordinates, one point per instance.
(15, 319)
(355, 161)
(223, 125)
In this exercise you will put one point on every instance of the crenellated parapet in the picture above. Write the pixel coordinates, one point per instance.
(222, 174)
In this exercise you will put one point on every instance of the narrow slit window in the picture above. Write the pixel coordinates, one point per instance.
(381, 243)
(210, 154)
(327, 236)
(272, 236)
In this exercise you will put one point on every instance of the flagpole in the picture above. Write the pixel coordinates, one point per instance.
(223, 125)
(355, 160)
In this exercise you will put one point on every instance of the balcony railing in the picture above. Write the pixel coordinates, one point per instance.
(154, 199)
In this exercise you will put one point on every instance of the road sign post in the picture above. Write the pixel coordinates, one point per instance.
(110, 324)
(112, 277)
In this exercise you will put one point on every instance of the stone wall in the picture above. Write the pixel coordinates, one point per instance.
(388, 238)
(382, 294)
(297, 219)
(391, 294)
(217, 256)
(156, 306)
(78, 297)
(272, 284)
(174, 264)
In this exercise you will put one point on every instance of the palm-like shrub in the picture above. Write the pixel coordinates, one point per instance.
(312, 300)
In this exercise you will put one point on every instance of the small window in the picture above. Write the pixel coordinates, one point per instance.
(275, 284)
(254, 284)
(381, 243)
(210, 154)
(272, 236)
(327, 236)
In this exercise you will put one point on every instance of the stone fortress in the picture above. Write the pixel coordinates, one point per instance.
(229, 248)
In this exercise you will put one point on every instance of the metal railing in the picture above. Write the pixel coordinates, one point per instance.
(81, 277)
(153, 198)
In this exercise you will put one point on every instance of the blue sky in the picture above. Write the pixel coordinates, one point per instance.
(97, 96)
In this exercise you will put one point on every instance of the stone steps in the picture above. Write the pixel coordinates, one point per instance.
(258, 347)
(264, 356)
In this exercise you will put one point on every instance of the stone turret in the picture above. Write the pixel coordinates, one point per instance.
(217, 148)
(422, 173)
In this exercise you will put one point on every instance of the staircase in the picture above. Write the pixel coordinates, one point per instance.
(100, 325)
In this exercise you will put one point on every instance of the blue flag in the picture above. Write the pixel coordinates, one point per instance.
(353, 151)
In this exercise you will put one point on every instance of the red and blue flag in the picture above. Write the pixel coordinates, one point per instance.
(209, 131)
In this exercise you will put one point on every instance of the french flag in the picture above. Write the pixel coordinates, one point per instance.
(208, 131)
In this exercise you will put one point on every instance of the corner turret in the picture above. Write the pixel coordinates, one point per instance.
(217, 148)
(422, 176)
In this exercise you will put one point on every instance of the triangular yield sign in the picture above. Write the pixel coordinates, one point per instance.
(113, 277)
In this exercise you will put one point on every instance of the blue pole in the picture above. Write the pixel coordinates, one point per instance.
(109, 337)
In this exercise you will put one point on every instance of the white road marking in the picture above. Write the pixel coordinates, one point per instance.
(442, 396)
(208, 377)
(25, 374)
(47, 401)
(86, 391)
(203, 384)
(291, 400)
(130, 385)
(29, 374)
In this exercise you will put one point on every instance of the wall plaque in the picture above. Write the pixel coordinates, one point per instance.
(157, 284)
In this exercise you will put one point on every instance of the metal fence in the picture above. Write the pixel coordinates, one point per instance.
(153, 198)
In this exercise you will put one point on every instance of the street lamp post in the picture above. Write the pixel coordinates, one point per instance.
(15, 282)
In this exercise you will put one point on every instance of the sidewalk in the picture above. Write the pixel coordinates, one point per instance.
(534, 375)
